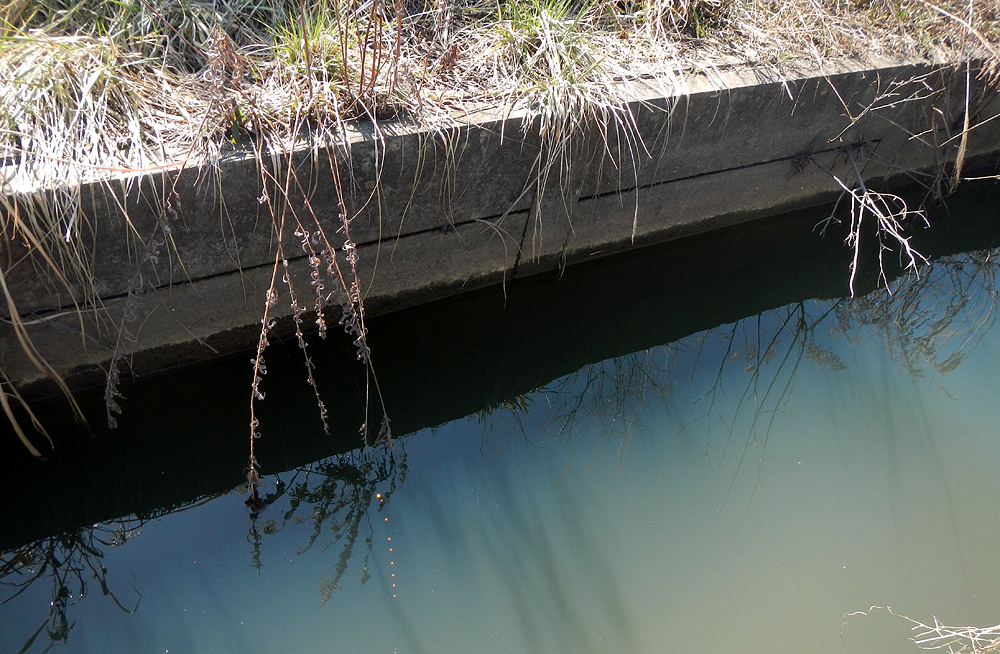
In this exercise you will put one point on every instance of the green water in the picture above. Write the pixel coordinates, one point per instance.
(743, 489)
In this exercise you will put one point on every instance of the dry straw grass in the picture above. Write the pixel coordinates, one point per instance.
(93, 91)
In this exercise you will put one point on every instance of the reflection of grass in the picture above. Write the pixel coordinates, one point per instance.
(335, 496)
(74, 562)
(733, 382)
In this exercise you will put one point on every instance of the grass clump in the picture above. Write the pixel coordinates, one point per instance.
(94, 89)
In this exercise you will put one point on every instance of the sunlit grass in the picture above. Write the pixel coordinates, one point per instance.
(90, 87)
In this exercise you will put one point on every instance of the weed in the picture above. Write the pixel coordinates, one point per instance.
(892, 218)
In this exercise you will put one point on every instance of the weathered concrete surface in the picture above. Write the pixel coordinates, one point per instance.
(183, 259)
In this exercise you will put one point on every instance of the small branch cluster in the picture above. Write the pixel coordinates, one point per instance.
(301, 220)
(956, 640)
(297, 311)
(938, 636)
(891, 216)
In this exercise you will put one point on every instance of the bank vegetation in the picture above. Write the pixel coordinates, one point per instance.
(93, 89)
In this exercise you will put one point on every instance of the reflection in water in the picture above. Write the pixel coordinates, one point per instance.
(72, 563)
(932, 322)
(605, 397)
(555, 575)
(335, 496)
(929, 323)
(562, 581)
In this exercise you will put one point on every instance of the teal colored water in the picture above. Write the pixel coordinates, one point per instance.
(757, 487)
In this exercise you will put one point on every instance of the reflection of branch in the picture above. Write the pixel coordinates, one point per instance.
(928, 321)
(743, 373)
(760, 400)
(336, 495)
(935, 320)
(71, 560)
(609, 394)
(768, 350)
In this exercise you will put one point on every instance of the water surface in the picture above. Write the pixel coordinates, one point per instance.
(744, 488)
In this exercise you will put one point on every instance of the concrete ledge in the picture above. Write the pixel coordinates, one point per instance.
(183, 258)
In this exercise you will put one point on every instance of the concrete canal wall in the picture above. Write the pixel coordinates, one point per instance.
(183, 258)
